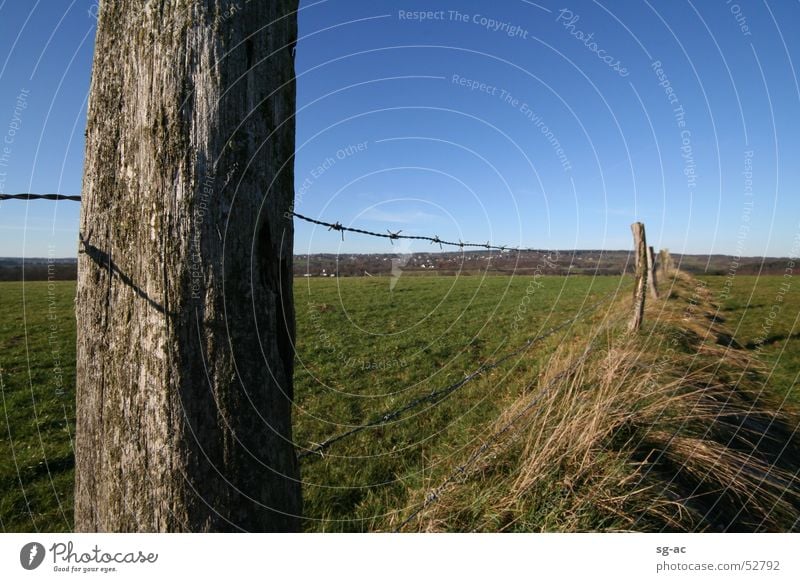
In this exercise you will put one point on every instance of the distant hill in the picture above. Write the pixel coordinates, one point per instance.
(584, 262)
(38, 269)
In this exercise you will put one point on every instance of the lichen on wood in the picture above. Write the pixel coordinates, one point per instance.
(184, 304)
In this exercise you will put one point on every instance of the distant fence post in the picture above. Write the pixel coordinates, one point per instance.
(664, 262)
(651, 273)
(640, 250)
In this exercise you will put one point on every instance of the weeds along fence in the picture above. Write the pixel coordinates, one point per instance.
(645, 271)
(462, 471)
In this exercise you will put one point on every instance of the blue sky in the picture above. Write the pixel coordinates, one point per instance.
(552, 125)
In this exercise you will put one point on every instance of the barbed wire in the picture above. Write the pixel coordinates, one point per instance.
(434, 396)
(439, 395)
(393, 236)
(39, 197)
(336, 226)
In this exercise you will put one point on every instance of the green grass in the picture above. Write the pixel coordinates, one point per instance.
(747, 303)
(37, 391)
(361, 350)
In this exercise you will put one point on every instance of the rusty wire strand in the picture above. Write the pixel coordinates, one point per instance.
(393, 236)
(336, 226)
(39, 197)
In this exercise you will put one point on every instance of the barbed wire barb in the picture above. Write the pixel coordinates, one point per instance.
(337, 226)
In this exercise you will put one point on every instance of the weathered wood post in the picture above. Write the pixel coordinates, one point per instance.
(184, 302)
(651, 273)
(665, 264)
(639, 289)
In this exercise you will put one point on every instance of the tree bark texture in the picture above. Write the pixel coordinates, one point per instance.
(184, 303)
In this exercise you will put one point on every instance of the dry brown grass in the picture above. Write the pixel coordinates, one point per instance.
(669, 429)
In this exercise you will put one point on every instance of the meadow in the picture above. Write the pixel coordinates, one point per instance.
(367, 347)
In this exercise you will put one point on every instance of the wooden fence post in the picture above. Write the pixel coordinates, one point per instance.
(651, 273)
(664, 262)
(185, 341)
(640, 249)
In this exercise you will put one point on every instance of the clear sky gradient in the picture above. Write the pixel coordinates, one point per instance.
(552, 125)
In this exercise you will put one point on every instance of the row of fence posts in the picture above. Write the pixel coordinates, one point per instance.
(645, 275)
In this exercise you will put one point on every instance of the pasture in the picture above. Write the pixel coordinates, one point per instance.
(364, 349)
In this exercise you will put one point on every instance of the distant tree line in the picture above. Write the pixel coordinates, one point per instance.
(38, 270)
